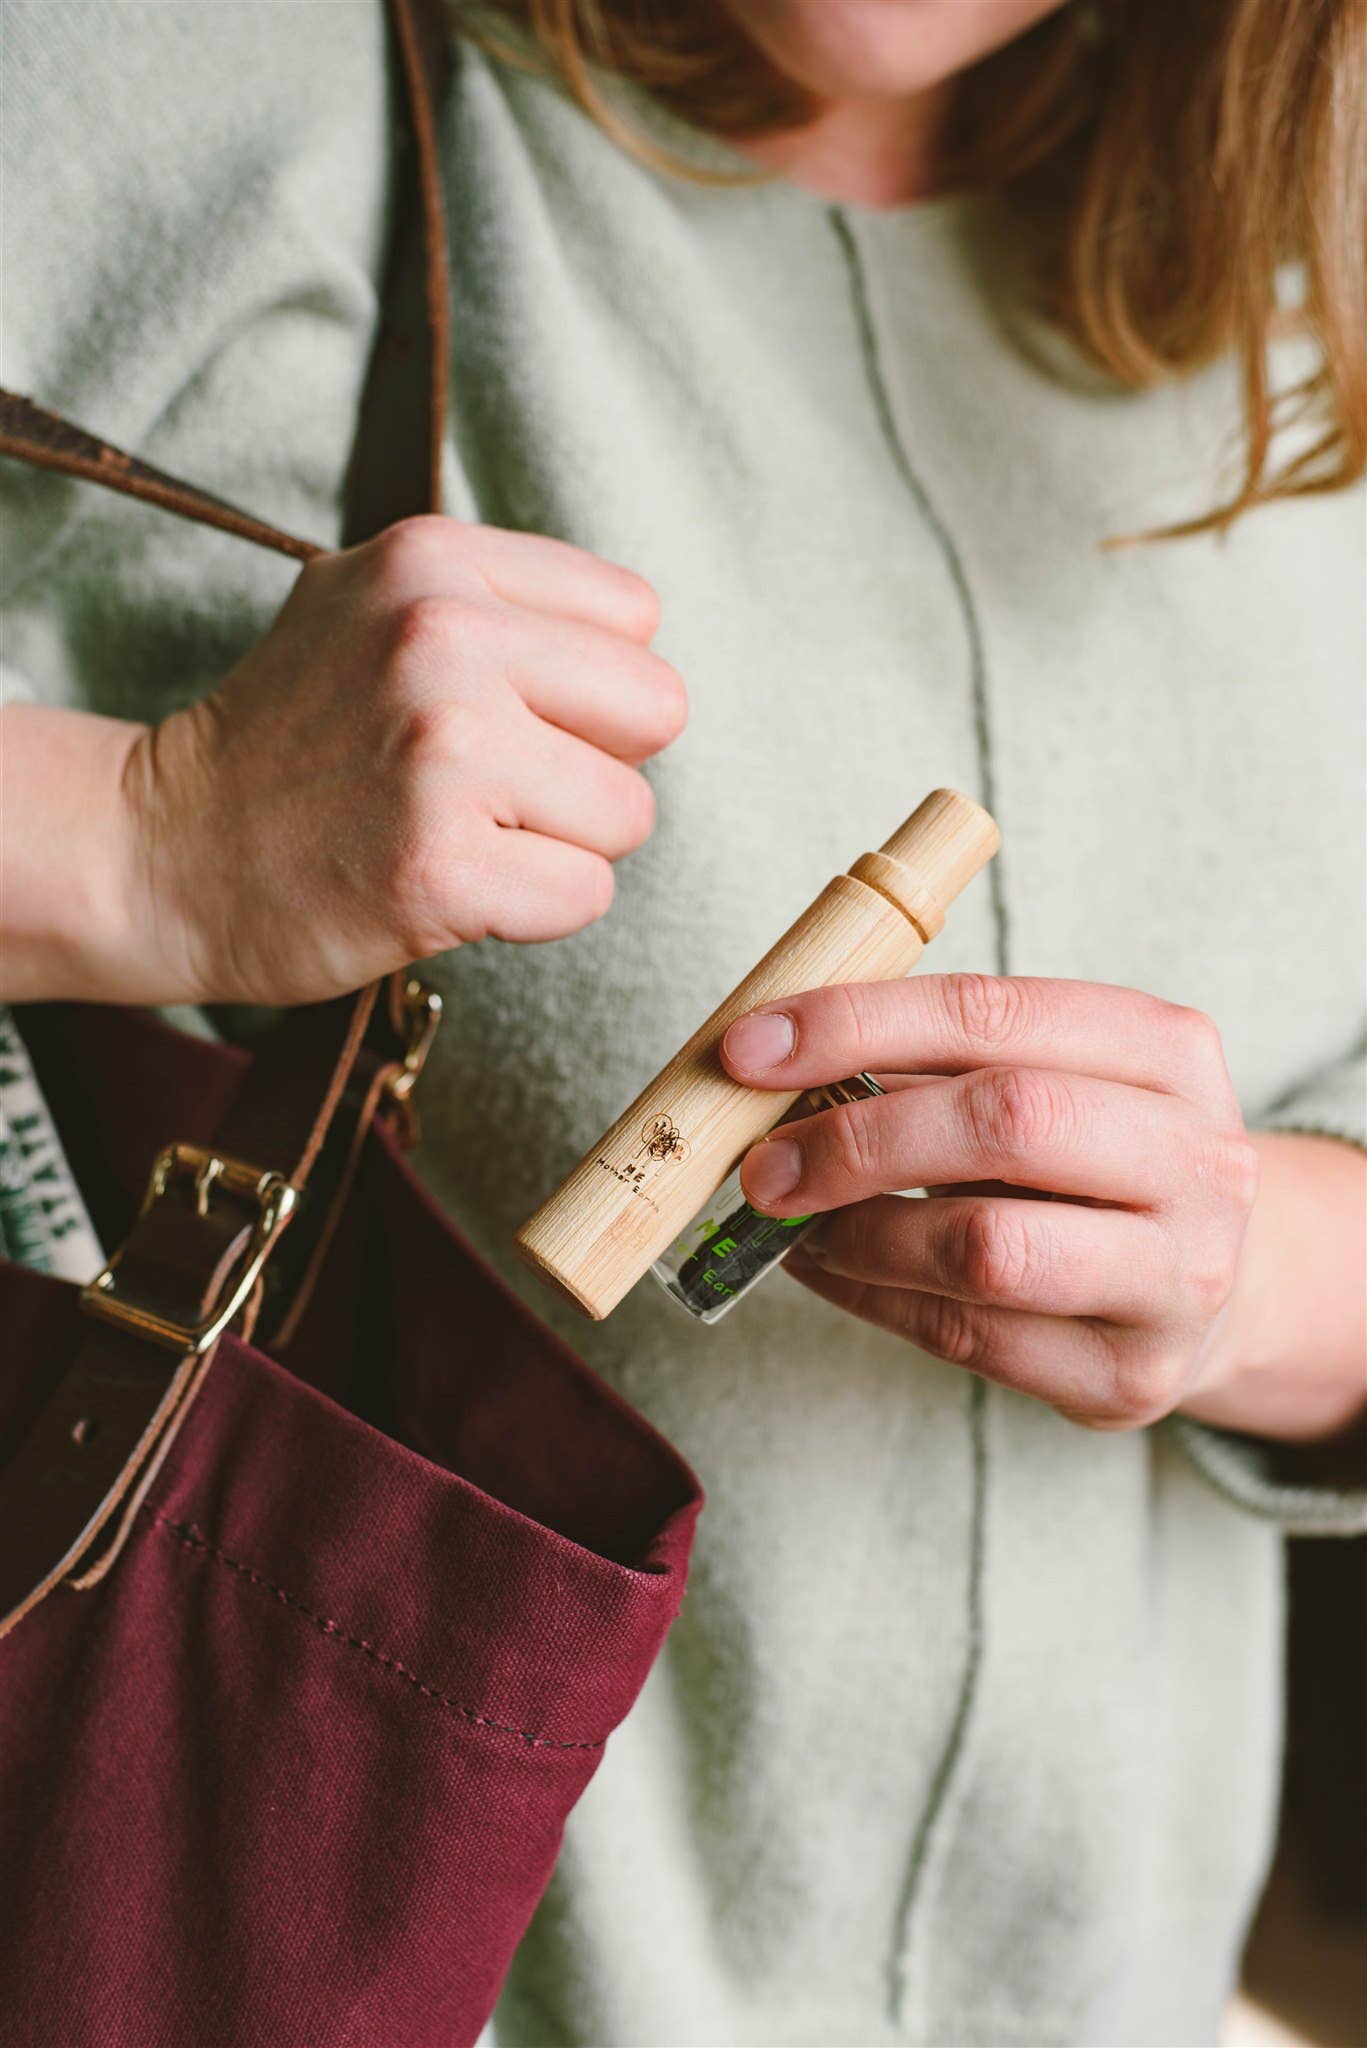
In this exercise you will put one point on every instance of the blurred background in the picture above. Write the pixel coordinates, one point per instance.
(1305, 1968)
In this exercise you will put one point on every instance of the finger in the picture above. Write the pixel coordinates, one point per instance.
(1025, 1126)
(1048, 1258)
(433, 556)
(893, 1084)
(553, 783)
(552, 576)
(1067, 1363)
(947, 1023)
(604, 689)
(534, 888)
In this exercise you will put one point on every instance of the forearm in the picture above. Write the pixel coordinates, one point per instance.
(72, 902)
(1290, 1359)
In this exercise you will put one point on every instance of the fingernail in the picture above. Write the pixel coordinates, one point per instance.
(763, 1040)
(772, 1170)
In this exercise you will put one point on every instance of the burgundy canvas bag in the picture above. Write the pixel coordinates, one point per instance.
(325, 1568)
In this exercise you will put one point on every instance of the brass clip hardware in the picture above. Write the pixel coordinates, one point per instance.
(422, 1014)
(275, 1199)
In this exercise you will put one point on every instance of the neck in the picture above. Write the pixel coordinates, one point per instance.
(869, 152)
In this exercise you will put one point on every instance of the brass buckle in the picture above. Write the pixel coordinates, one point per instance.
(276, 1200)
(422, 1014)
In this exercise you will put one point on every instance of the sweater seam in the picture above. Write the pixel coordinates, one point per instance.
(900, 1969)
(915, 487)
(900, 1984)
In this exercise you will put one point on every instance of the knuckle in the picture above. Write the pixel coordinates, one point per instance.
(1207, 1284)
(1101, 1421)
(464, 646)
(645, 604)
(855, 1149)
(1200, 1050)
(636, 804)
(987, 1009)
(1145, 1385)
(424, 733)
(431, 731)
(1199, 1034)
(997, 1257)
(948, 1329)
(423, 630)
(1013, 1112)
(422, 885)
(671, 702)
(1228, 1168)
(848, 1010)
(597, 891)
(1245, 1171)
(414, 548)
(638, 599)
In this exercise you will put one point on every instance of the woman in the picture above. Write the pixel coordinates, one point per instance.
(858, 332)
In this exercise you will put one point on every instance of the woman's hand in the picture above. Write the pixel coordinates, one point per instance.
(1092, 1184)
(439, 738)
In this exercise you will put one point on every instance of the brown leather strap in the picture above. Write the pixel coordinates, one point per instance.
(29, 433)
(398, 440)
(277, 1118)
(94, 1448)
(285, 1111)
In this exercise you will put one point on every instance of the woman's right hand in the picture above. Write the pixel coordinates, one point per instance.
(439, 739)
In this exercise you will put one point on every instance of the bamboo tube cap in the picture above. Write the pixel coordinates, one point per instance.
(934, 855)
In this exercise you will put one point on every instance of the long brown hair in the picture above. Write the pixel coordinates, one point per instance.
(1175, 157)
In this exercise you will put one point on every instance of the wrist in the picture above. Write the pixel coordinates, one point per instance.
(177, 857)
(85, 863)
(1286, 1359)
(72, 914)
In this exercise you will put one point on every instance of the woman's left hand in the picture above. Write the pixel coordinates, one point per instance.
(1106, 1297)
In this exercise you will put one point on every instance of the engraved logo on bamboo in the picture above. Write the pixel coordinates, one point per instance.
(661, 1141)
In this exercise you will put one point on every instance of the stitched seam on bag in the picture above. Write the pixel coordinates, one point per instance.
(193, 1538)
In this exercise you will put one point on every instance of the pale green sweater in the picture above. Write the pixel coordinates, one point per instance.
(968, 1732)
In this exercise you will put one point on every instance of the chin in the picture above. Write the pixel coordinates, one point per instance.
(878, 49)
